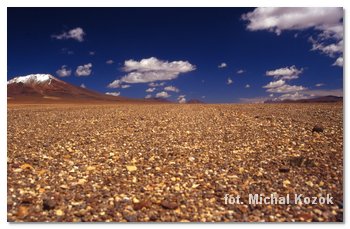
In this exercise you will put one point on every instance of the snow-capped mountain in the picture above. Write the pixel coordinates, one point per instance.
(47, 87)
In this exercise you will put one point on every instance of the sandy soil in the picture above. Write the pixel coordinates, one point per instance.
(169, 162)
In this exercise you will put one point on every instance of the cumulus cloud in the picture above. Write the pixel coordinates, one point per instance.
(181, 98)
(241, 71)
(277, 19)
(327, 21)
(286, 89)
(339, 62)
(82, 85)
(229, 81)
(275, 84)
(109, 62)
(222, 65)
(281, 75)
(286, 73)
(153, 84)
(171, 88)
(91, 53)
(115, 84)
(148, 96)
(247, 86)
(152, 69)
(84, 70)
(150, 90)
(113, 93)
(162, 94)
(63, 71)
(76, 34)
(125, 86)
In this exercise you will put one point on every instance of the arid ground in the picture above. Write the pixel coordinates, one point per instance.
(170, 162)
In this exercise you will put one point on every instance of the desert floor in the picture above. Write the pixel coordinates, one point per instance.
(170, 162)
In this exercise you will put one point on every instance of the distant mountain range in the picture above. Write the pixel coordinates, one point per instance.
(321, 99)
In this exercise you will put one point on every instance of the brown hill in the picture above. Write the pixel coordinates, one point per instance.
(45, 88)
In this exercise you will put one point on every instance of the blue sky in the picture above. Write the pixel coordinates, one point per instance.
(262, 53)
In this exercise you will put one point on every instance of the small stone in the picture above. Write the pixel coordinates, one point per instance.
(286, 183)
(318, 129)
(135, 200)
(141, 204)
(59, 212)
(130, 217)
(22, 211)
(48, 204)
(169, 204)
(26, 166)
(284, 170)
(90, 168)
(131, 168)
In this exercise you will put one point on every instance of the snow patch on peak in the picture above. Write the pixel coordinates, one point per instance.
(36, 78)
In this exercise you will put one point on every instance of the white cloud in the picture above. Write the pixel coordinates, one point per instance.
(91, 53)
(271, 95)
(327, 21)
(76, 34)
(281, 75)
(162, 94)
(181, 99)
(83, 70)
(222, 65)
(153, 84)
(125, 86)
(331, 50)
(277, 19)
(319, 85)
(63, 71)
(115, 84)
(275, 84)
(339, 62)
(82, 85)
(148, 96)
(229, 81)
(150, 90)
(113, 93)
(294, 96)
(286, 73)
(286, 89)
(152, 69)
(171, 88)
(109, 62)
(247, 86)
(241, 71)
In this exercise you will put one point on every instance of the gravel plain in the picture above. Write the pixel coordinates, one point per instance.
(172, 163)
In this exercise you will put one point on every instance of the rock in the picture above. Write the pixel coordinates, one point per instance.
(284, 170)
(59, 212)
(22, 211)
(130, 217)
(318, 129)
(169, 204)
(131, 168)
(26, 166)
(141, 204)
(48, 204)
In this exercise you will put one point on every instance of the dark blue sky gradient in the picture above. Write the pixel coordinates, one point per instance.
(203, 36)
